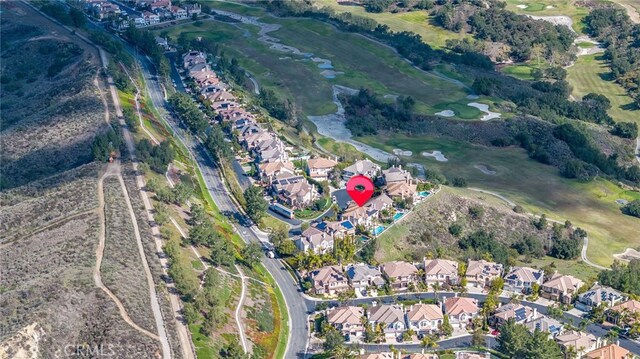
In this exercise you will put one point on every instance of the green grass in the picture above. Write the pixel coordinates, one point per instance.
(519, 71)
(461, 109)
(202, 343)
(591, 74)
(537, 187)
(419, 22)
(585, 44)
(559, 7)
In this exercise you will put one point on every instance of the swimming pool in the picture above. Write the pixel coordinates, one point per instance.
(423, 193)
(378, 230)
(397, 216)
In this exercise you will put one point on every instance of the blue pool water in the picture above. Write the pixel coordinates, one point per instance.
(378, 230)
(397, 216)
(424, 193)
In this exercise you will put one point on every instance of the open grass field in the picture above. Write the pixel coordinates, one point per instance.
(419, 22)
(538, 188)
(363, 63)
(591, 74)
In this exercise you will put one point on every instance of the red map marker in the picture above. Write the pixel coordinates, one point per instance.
(360, 189)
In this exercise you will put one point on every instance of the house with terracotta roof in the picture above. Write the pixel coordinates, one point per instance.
(389, 316)
(338, 229)
(460, 310)
(369, 214)
(399, 183)
(160, 4)
(320, 168)
(179, 13)
(362, 167)
(348, 320)
(622, 313)
(441, 271)
(520, 279)
(315, 240)
(598, 295)
(192, 58)
(481, 273)
(270, 170)
(582, 342)
(545, 324)
(329, 280)
(518, 312)
(424, 318)
(560, 287)
(611, 351)
(363, 276)
(400, 275)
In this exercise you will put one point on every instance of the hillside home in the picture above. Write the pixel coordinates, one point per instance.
(481, 273)
(348, 320)
(520, 279)
(582, 342)
(193, 58)
(545, 324)
(441, 271)
(338, 229)
(320, 168)
(363, 167)
(179, 13)
(460, 310)
(597, 295)
(399, 183)
(193, 9)
(518, 312)
(611, 351)
(400, 275)
(560, 288)
(329, 280)
(150, 18)
(389, 316)
(270, 170)
(315, 240)
(623, 312)
(425, 318)
(293, 190)
(363, 276)
(157, 5)
(369, 214)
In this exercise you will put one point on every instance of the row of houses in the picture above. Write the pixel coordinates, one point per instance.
(149, 12)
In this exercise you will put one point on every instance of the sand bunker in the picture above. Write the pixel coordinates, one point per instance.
(550, 7)
(399, 152)
(472, 97)
(522, 6)
(485, 108)
(446, 113)
(628, 255)
(484, 169)
(556, 20)
(435, 154)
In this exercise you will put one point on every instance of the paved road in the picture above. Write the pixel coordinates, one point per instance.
(296, 305)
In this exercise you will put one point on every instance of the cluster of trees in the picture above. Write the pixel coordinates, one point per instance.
(366, 114)
(396, 6)
(283, 110)
(157, 157)
(189, 112)
(256, 204)
(179, 194)
(623, 277)
(202, 232)
(107, 144)
(67, 15)
(632, 208)
(146, 41)
(567, 246)
(516, 341)
(621, 37)
(526, 37)
(625, 129)
(480, 243)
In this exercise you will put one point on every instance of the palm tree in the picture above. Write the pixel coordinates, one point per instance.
(429, 342)
(570, 352)
(436, 288)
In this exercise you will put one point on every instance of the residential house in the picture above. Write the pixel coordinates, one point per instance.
(425, 318)
(157, 5)
(315, 240)
(582, 342)
(623, 313)
(293, 190)
(561, 288)
(193, 9)
(598, 294)
(389, 316)
(363, 276)
(348, 320)
(611, 351)
(162, 42)
(518, 312)
(520, 279)
(150, 18)
(270, 170)
(441, 271)
(179, 13)
(400, 275)
(363, 167)
(399, 183)
(200, 67)
(320, 168)
(369, 214)
(141, 21)
(545, 324)
(481, 273)
(192, 58)
(329, 280)
(460, 310)
(338, 229)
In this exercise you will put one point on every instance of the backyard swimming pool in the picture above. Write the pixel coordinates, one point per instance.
(397, 216)
(378, 230)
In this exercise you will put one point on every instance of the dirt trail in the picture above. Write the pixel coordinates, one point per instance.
(112, 170)
(632, 12)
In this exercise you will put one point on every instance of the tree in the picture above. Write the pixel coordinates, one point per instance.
(625, 129)
(190, 313)
(251, 254)
(459, 182)
(512, 339)
(256, 204)
(222, 253)
(541, 223)
(429, 341)
(477, 339)
(632, 208)
(445, 328)
(333, 339)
